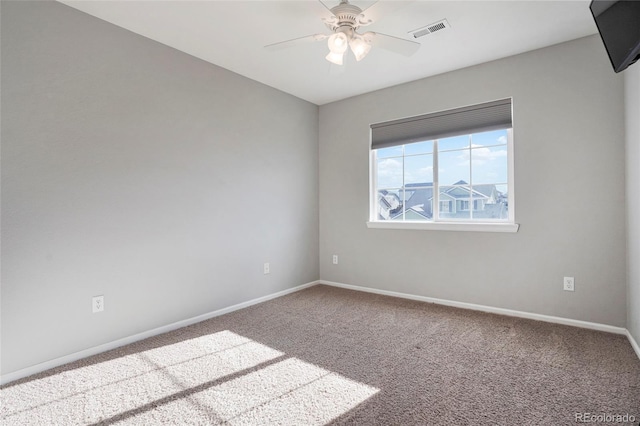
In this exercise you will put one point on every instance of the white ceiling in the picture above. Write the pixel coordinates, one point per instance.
(232, 34)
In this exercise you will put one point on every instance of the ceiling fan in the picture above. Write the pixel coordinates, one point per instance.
(344, 20)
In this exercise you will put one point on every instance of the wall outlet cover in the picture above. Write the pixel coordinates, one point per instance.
(569, 284)
(97, 303)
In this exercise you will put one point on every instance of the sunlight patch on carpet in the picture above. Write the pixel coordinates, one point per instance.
(290, 392)
(204, 380)
(93, 393)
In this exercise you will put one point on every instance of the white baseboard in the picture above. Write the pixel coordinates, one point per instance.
(634, 344)
(490, 309)
(25, 372)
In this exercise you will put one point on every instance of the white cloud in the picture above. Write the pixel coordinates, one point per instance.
(480, 155)
(390, 173)
(421, 175)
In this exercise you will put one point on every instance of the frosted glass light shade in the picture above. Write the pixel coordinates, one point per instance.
(335, 58)
(338, 43)
(360, 47)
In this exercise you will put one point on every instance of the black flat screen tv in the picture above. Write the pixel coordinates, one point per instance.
(618, 23)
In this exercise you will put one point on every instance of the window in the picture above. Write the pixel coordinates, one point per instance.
(459, 160)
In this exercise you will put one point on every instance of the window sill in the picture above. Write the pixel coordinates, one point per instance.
(447, 226)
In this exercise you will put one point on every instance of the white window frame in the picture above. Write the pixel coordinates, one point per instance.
(498, 225)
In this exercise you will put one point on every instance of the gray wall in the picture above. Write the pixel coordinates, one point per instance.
(135, 171)
(138, 172)
(570, 190)
(632, 105)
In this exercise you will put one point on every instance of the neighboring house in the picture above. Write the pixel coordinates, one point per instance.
(420, 194)
(414, 213)
(389, 205)
(456, 202)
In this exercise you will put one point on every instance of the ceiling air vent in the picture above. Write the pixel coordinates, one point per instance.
(431, 28)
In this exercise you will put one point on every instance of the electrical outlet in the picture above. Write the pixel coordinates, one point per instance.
(267, 269)
(569, 284)
(97, 302)
(335, 259)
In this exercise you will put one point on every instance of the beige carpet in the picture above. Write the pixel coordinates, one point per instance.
(328, 355)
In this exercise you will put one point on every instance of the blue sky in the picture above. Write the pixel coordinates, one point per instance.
(482, 158)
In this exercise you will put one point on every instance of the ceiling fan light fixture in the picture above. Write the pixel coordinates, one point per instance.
(344, 22)
(359, 46)
(335, 58)
(338, 43)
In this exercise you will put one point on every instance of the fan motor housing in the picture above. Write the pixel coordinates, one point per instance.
(347, 15)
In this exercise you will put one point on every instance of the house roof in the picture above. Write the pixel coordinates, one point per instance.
(413, 213)
(486, 189)
(419, 185)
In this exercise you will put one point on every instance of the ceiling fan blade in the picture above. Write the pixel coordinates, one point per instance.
(394, 44)
(325, 13)
(379, 9)
(296, 41)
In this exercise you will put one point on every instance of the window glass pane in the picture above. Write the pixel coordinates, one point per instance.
(489, 164)
(418, 212)
(406, 194)
(419, 148)
(453, 167)
(503, 198)
(494, 137)
(455, 142)
(389, 204)
(503, 190)
(455, 202)
(418, 206)
(389, 173)
(490, 202)
(418, 169)
(393, 151)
